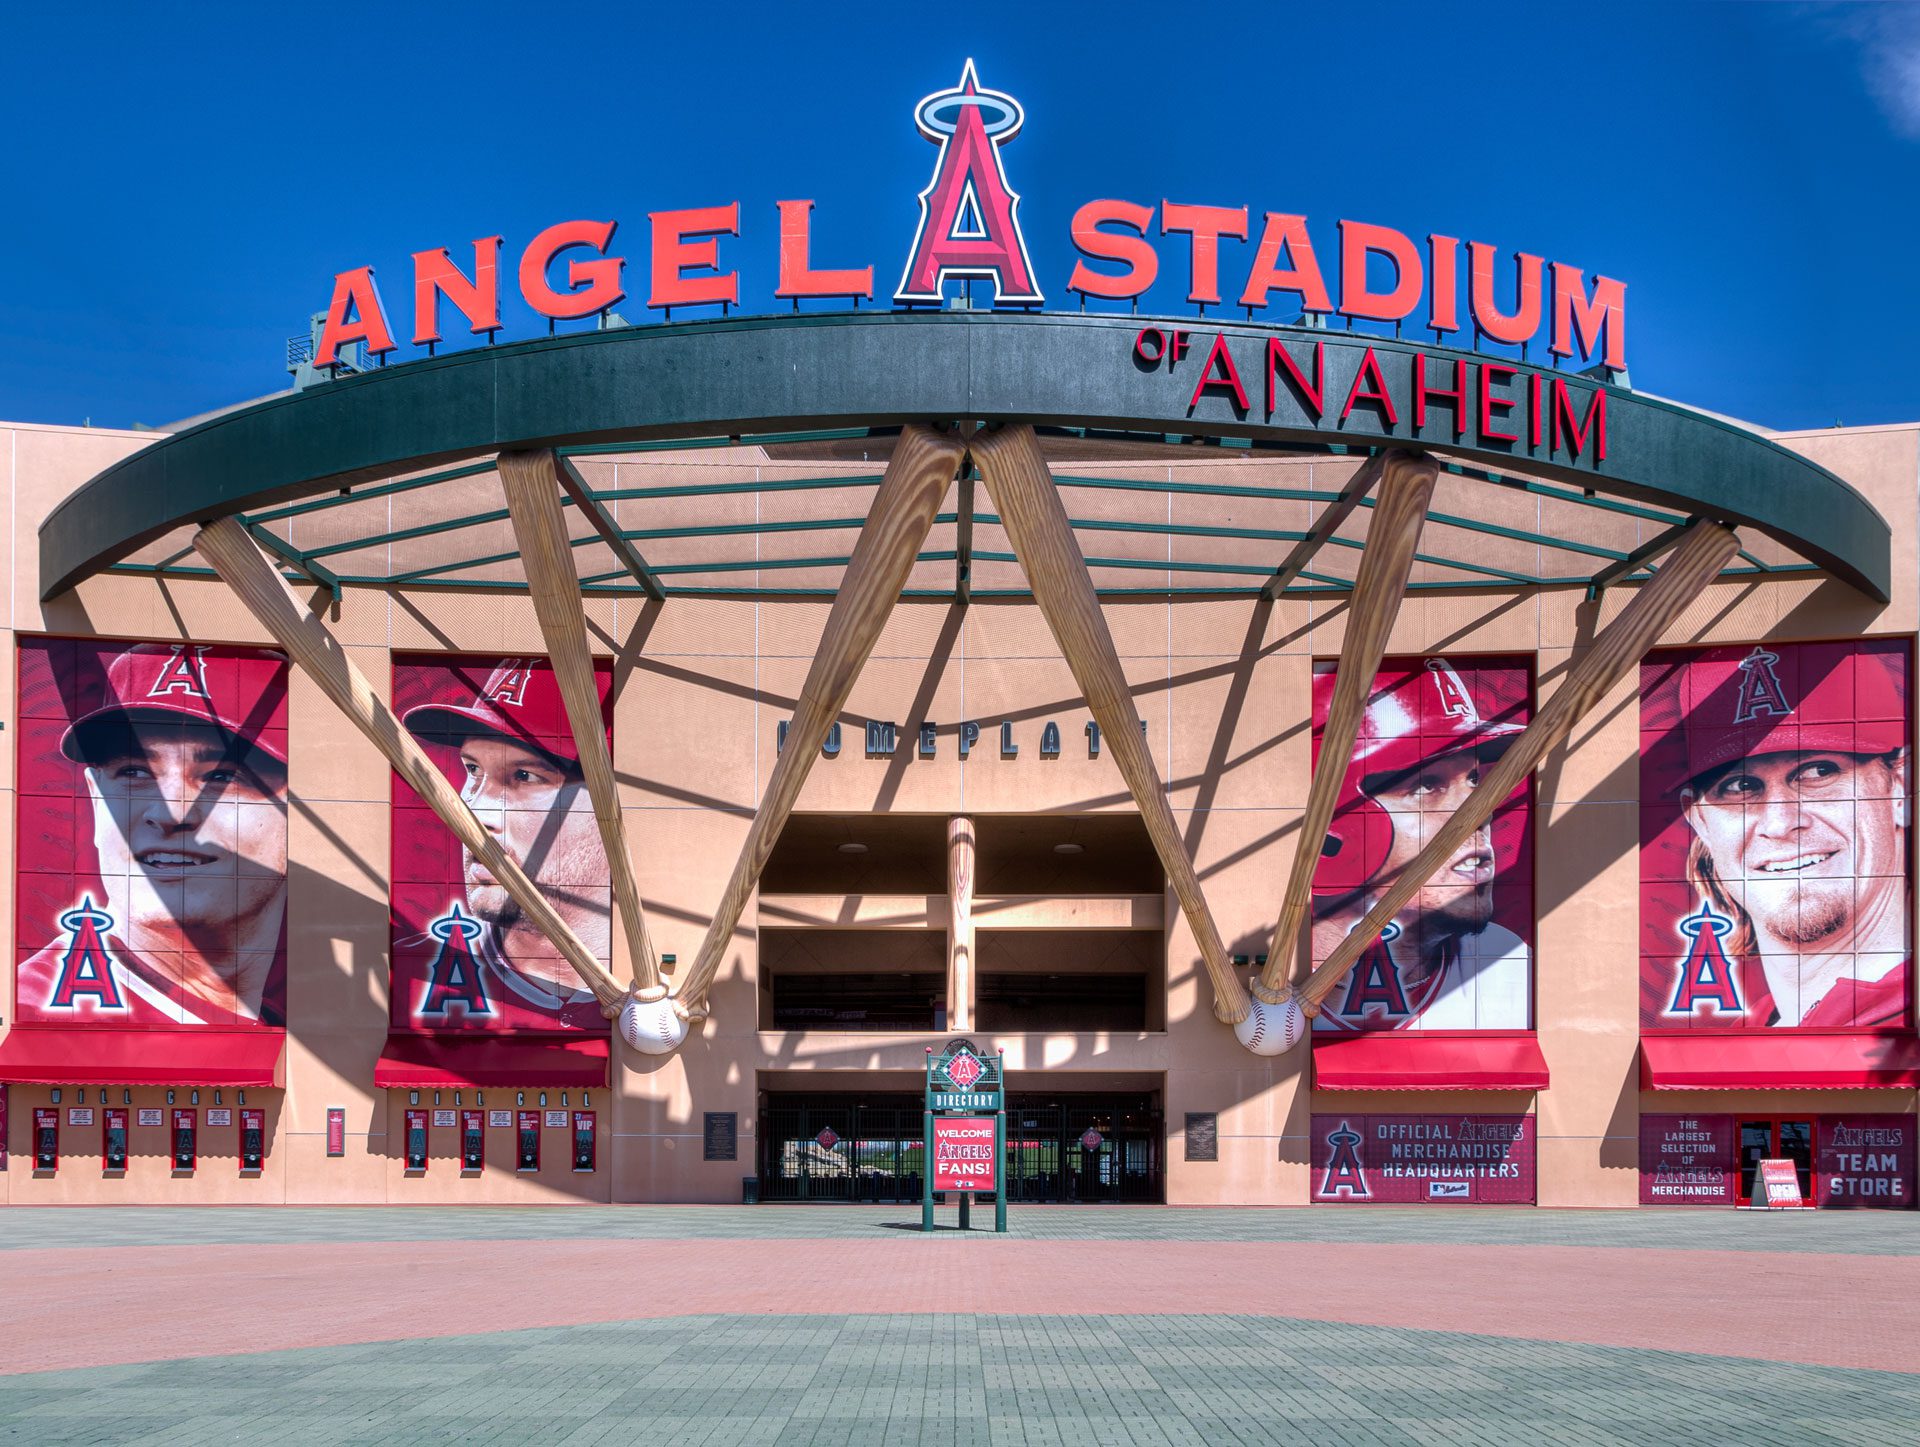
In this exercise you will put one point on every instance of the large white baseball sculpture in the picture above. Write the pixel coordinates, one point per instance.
(1272, 1029)
(652, 1026)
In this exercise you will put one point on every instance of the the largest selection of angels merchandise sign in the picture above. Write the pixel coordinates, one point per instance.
(464, 957)
(151, 884)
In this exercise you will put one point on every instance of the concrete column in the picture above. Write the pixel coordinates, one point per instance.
(960, 857)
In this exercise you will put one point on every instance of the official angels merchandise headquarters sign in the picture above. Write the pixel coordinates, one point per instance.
(1464, 1160)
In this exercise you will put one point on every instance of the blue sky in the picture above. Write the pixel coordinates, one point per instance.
(187, 179)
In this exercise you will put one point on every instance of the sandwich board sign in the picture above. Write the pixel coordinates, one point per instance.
(1780, 1187)
(966, 1130)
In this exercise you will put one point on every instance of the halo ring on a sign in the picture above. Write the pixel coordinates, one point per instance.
(939, 115)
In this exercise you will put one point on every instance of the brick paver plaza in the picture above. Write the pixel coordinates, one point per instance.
(1099, 1325)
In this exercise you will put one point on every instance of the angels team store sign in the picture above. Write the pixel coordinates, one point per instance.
(970, 229)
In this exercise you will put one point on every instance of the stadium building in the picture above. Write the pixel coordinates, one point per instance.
(1333, 768)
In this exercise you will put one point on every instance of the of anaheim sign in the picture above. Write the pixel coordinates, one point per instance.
(969, 230)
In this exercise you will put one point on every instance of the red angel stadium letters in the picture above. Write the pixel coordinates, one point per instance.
(152, 881)
(1774, 873)
(1467, 1160)
(463, 957)
(1459, 956)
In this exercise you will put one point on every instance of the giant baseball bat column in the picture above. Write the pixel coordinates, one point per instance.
(1016, 475)
(961, 856)
(916, 479)
(1695, 563)
(531, 481)
(1399, 514)
(245, 569)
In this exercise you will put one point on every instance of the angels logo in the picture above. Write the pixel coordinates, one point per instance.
(1344, 1176)
(1455, 701)
(508, 684)
(453, 979)
(185, 673)
(969, 223)
(85, 967)
(1761, 695)
(964, 1070)
(1707, 976)
(1375, 981)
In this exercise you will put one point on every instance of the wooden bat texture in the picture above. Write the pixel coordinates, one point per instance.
(916, 479)
(1693, 565)
(245, 569)
(531, 481)
(1399, 514)
(1016, 475)
(961, 856)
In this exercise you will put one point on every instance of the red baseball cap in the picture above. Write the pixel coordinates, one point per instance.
(520, 702)
(1413, 717)
(1729, 704)
(240, 691)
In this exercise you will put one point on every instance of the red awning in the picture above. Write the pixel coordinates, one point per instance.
(430, 1062)
(1414, 1060)
(1778, 1060)
(102, 1055)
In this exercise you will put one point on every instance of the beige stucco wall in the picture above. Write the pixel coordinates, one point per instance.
(1225, 688)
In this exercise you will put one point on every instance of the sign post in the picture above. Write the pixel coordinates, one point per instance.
(966, 1130)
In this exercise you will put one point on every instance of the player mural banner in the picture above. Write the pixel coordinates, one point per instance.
(1774, 866)
(463, 957)
(1467, 1160)
(1460, 955)
(151, 884)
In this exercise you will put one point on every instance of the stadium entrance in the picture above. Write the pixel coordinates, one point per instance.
(1091, 1147)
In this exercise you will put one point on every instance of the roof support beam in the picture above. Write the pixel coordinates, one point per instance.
(228, 546)
(1637, 559)
(529, 480)
(1328, 523)
(321, 577)
(1016, 476)
(916, 479)
(963, 536)
(575, 487)
(1393, 536)
(1702, 552)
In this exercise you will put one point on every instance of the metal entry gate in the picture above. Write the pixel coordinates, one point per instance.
(840, 1149)
(843, 1148)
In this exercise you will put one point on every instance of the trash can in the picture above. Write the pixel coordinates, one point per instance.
(749, 1190)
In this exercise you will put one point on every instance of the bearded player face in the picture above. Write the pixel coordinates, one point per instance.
(1797, 832)
(539, 810)
(195, 825)
(1458, 899)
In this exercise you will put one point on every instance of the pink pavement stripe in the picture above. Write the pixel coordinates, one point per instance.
(73, 1308)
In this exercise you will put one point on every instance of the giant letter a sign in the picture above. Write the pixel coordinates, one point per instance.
(968, 225)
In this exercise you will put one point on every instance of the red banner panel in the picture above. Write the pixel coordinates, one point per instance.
(151, 884)
(1864, 1160)
(463, 956)
(963, 1156)
(1774, 869)
(1687, 1160)
(1460, 955)
(1467, 1160)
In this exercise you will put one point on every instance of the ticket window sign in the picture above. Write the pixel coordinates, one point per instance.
(46, 1139)
(186, 1140)
(583, 1141)
(526, 1135)
(113, 1140)
(253, 1140)
(473, 1140)
(416, 1140)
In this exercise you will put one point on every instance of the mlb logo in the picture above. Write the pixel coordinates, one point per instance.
(1448, 1190)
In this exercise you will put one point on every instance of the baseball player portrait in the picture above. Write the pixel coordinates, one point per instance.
(179, 917)
(1452, 959)
(1789, 765)
(474, 961)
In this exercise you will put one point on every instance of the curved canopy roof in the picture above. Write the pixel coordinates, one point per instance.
(739, 457)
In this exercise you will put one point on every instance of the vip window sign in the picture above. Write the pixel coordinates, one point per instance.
(968, 228)
(1480, 1160)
